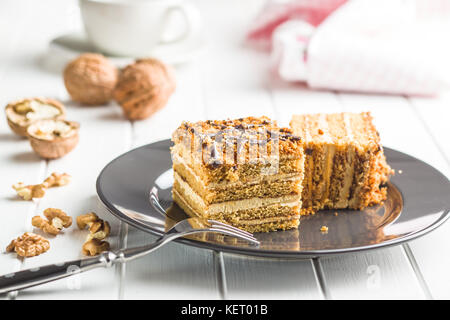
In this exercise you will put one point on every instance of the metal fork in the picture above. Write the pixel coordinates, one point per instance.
(36, 276)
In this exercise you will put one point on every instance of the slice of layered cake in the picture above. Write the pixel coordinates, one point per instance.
(246, 172)
(345, 166)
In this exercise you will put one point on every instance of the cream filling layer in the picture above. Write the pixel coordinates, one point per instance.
(231, 206)
(221, 185)
(267, 220)
(246, 222)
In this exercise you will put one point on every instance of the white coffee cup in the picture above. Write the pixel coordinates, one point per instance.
(135, 27)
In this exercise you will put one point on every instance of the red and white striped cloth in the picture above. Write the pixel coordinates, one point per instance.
(383, 46)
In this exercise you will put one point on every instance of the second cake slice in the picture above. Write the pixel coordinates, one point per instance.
(345, 166)
(246, 172)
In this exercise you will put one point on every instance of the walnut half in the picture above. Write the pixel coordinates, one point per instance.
(29, 245)
(21, 113)
(52, 139)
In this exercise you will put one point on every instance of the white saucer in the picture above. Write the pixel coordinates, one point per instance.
(66, 47)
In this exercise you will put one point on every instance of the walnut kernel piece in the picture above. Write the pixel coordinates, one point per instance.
(94, 247)
(60, 216)
(29, 245)
(56, 221)
(57, 180)
(21, 113)
(144, 87)
(44, 225)
(86, 219)
(30, 191)
(90, 79)
(52, 139)
(99, 230)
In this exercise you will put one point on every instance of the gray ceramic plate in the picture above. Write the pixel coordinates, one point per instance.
(418, 202)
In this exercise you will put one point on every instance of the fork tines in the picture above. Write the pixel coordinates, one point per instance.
(233, 230)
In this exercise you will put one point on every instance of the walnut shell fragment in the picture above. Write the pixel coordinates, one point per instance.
(90, 79)
(144, 87)
(53, 139)
(21, 113)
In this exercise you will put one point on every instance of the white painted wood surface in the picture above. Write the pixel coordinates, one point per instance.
(228, 81)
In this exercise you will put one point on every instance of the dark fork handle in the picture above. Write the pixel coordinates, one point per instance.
(35, 276)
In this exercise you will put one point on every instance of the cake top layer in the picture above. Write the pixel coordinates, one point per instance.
(238, 141)
(338, 128)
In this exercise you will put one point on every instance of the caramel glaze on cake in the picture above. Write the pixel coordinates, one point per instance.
(246, 172)
(345, 166)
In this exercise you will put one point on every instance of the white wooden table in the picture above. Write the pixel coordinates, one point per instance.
(228, 81)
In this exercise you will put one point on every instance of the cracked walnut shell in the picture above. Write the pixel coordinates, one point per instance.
(21, 113)
(90, 79)
(144, 87)
(29, 245)
(53, 139)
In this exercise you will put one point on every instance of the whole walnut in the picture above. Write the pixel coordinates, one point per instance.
(90, 79)
(144, 87)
